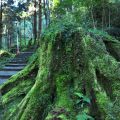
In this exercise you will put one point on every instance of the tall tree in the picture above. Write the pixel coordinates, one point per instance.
(45, 12)
(1, 24)
(40, 19)
(35, 22)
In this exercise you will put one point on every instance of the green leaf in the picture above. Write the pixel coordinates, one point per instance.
(84, 116)
(82, 105)
(79, 95)
(78, 101)
(86, 99)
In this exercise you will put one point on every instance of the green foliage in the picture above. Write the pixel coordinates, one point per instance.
(84, 116)
(59, 8)
(113, 110)
(58, 26)
(82, 99)
(98, 32)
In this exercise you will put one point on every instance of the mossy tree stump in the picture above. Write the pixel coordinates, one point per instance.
(70, 61)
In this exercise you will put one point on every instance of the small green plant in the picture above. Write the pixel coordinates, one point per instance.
(82, 103)
(82, 100)
(84, 116)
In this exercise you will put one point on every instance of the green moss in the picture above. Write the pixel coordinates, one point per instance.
(108, 68)
(103, 102)
(63, 98)
(60, 117)
(5, 57)
(4, 53)
(27, 108)
(11, 107)
(58, 113)
(20, 89)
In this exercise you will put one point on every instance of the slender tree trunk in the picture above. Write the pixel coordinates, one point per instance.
(103, 15)
(109, 17)
(10, 41)
(92, 15)
(1, 24)
(18, 51)
(48, 12)
(7, 39)
(40, 19)
(24, 31)
(35, 23)
(94, 26)
(32, 24)
(45, 12)
(20, 35)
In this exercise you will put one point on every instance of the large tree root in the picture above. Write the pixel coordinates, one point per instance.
(22, 75)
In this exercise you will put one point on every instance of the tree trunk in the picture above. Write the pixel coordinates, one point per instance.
(1, 24)
(48, 12)
(45, 13)
(109, 17)
(25, 32)
(40, 19)
(92, 15)
(20, 35)
(35, 23)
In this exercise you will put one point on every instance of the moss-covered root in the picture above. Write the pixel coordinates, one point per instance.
(34, 104)
(22, 75)
(104, 63)
(63, 107)
(15, 89)
(107, 71)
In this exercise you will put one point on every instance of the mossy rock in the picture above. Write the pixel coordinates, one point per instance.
(4, 53)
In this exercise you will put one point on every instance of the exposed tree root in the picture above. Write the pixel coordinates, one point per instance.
(22, 75)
